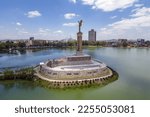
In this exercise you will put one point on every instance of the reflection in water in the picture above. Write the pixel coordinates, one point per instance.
(29, 58)
(8, 86)
(20, 84)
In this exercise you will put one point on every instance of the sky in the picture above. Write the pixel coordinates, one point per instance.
(57, 19)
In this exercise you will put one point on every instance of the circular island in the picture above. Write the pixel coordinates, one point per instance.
(76, 70)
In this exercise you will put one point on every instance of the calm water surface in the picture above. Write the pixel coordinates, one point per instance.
(132, 65)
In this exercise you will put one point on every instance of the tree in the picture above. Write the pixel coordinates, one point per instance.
(85, 43)
(124, 44)
(9, 75)
(26, 73)
(71, 43)
(21, 44)
(2, 46)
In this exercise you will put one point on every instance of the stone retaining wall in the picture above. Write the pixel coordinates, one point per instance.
(71, 74)
(76, 76)
(80, 83)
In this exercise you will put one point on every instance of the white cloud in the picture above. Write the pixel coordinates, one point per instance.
(21, 31)
(44, 31)
(32, 14)
(137, 25)
(132, 23)
(88, 2)
(113, 17)
(141, 12)
(58, 32)
(18, 24)
(70, 24)
(73, 1)
(70, 15)
(24, 32)
(109, 5)
(139, 5)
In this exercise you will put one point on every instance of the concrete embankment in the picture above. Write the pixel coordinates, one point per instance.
(30, 74)
(99, 81)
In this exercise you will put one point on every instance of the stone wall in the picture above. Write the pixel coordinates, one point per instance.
(82, 83)
(72, 74)
(85, 80)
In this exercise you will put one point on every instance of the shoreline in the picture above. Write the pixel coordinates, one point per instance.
(78, 84)
(68, 47)
(64, 84)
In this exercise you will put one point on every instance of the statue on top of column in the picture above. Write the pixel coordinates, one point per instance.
(80, 24)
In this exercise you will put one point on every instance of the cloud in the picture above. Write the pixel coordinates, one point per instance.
(32, 14)
(141, 12)
(44, 31)
(138, 23)
(70, 24)
(140, 18)
(73, 1)
(113, 17)
(88, 2)
(109, 5)
(132, 23)
(21, 31)
(24, 32)
(70, 15)
(139, 5)
(18, 24)
(58, 32)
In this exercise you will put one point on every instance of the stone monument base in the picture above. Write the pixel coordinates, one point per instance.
(79, 53)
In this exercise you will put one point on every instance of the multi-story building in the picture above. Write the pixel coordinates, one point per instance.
(140, 42)
(92, 35)
(38, 42)
(122, 42)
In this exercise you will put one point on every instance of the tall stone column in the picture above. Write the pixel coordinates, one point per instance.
(79, 39)
(79, 42)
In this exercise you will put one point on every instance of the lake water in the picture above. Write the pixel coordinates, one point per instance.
(132, 65)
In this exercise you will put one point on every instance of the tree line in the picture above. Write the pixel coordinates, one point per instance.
(24, 74)
(72, 43)
(10, 44)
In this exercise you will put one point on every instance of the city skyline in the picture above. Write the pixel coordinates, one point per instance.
(56, 20)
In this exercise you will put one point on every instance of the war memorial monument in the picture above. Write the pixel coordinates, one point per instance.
(76, 70)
